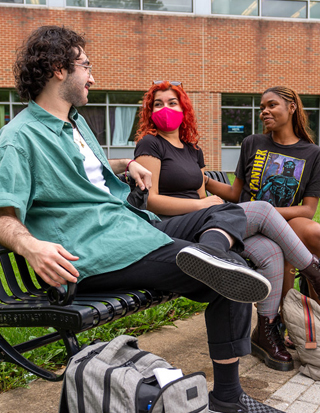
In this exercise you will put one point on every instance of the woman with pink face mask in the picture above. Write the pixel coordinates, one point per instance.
(169, 130)
(167, 145)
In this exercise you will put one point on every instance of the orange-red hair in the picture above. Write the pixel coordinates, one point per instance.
(188, 131)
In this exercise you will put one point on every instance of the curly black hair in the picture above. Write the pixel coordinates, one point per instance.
(47, 49)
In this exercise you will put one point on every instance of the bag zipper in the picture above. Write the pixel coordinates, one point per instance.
(201, 409)
(107, 381)
(78, 378)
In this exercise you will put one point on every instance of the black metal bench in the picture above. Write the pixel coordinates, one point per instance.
(27, 301)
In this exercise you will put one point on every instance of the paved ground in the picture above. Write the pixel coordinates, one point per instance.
(185, 347)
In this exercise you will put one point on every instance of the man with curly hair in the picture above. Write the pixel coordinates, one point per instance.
(63, 208)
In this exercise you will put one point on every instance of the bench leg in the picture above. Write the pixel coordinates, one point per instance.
(10, 354)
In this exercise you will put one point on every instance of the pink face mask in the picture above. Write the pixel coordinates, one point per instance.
(167, 119)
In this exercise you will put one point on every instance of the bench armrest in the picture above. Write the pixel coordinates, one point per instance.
(61, 296)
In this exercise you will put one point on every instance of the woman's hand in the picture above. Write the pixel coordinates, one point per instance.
(210, 200)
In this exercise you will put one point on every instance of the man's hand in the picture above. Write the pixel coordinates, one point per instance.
(141, 175)
(51, 262)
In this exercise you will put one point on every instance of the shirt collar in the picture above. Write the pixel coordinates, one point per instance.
(50, 121)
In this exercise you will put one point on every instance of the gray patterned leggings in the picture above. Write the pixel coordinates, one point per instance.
(267, 239)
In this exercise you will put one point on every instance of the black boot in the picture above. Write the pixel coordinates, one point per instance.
(267, 344)
(312, 274)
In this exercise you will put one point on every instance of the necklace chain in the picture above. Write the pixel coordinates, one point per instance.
(78, 138)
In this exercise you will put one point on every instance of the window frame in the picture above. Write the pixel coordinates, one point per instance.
(250, 107)
(108, 146)
(255, 105)
(141, 9)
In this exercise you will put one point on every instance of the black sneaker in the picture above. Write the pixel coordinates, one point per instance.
(245, 404)
(226, 276)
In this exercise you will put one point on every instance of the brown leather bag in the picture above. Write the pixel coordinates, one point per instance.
(302, 318)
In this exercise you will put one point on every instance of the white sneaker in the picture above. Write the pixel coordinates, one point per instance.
(226, 276)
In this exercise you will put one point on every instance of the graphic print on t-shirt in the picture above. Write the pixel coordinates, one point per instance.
(279, 179)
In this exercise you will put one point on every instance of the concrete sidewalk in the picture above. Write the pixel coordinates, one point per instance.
(185, 346)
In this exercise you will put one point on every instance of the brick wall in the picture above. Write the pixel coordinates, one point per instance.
(210, 55)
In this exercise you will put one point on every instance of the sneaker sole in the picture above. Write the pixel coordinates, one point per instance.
(237, 283)
(270, 361)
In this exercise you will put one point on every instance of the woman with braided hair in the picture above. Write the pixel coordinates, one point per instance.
(281, 167)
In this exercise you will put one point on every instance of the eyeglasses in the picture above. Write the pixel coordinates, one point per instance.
(87, 67)
(172, 82)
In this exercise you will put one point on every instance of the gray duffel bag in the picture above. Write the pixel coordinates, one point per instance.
(117, 377)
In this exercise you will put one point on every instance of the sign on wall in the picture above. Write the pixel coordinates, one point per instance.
(235, 128)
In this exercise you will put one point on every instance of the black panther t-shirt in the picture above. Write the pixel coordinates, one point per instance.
(279, 174)
(180, 173)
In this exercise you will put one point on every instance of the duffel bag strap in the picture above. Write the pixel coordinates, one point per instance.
(311, 342)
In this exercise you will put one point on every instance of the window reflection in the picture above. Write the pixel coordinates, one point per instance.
(258, 124)
(313, 116)
(96, 119)
(183, 6)
(4, 115)
(12, 1)
(314, 10)
(115, 4)
(236, 125)
(42, 2)
(284, 8)
(76, 3)
(123, 124)
(236, 7)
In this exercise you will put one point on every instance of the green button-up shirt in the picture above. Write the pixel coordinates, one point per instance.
(43, 177)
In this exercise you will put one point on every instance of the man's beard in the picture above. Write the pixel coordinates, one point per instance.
(72, 92)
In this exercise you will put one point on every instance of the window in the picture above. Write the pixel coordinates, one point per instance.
(10, 106)
(33, 2)
(182, 6)
(235, 7)
(113, 118)
(240, 117)
(298, 9)
(168, 5)
(315, 9)
(114, 4)
(311, 105)
(287, 8)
